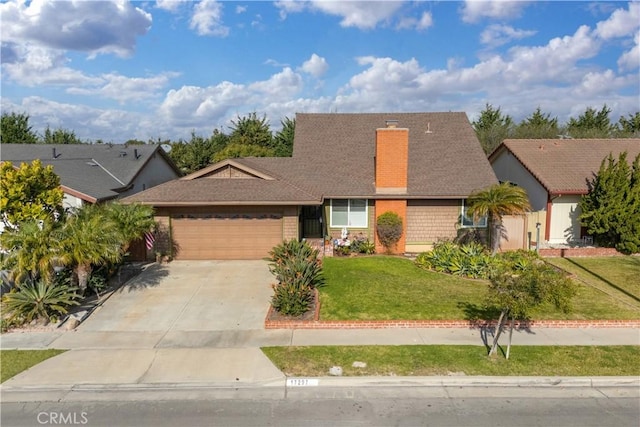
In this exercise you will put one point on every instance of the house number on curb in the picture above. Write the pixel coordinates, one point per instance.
(302, 382)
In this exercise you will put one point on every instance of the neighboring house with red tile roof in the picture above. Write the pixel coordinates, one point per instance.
(555, 173)
(95, 173)
(346, 170)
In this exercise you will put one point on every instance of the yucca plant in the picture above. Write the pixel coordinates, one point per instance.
(41, 300)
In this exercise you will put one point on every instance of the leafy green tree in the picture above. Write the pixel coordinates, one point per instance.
(492, 127)
(235, 150)
(251, 130)
(89, 238)
(60, 136)
(283, 140)
(15, 129)
(591, 124)
(537, 126)
(29, 192)
(495, 202)
(629, 128)
(198, 152)
(517, 292)
(132, 221)
(611, 209)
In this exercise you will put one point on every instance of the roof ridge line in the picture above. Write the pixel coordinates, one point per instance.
(107, 171)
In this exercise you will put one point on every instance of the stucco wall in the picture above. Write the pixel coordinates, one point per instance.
(508, 168)
(155, 172)
(565, 225)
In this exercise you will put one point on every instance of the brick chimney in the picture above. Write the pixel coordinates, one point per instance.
(392, 158)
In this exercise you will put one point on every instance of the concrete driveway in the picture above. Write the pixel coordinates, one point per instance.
(188, 296)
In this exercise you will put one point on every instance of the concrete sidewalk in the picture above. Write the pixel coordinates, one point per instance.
(197, 363)
(284, 337)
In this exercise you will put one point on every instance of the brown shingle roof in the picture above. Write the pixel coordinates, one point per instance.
(334, 156)
(336, 153)
(563, 166)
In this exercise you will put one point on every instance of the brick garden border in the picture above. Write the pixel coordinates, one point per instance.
(478, 324)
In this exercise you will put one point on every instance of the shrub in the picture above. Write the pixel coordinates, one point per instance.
(389, 229)
(362, 245)
(43, 301)
(291, 300)
(470, 260)
(298, 271)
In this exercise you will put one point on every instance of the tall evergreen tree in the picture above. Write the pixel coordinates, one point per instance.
(591, 124)
(492, 127)
(629, 128)
(537, 126)
(611, 209)
(283, 140)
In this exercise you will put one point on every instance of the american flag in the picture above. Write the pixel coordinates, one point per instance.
(149, 239)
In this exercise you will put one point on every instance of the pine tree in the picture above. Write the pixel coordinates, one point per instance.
(611, 209)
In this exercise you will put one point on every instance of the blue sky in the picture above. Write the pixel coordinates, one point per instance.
(162, 69)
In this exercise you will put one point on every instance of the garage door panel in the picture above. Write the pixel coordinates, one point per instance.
(226, 238)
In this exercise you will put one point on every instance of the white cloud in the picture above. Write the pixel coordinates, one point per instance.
(190, 106)
(498, 35)
(84, 26)
(475, 10)
(241, 9)
(207, 19)
(630, 60)
(316, 66)
(360, 14)
(170, 5)
(621, 23)
(38, 66)
(408, 22)
(126, 89)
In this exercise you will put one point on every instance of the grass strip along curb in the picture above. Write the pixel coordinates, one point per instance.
(413, 360)
(12, 362)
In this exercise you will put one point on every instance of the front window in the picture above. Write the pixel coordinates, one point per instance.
(349, 213)
(468, 220)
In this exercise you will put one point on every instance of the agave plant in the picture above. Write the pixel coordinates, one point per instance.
(40, 300)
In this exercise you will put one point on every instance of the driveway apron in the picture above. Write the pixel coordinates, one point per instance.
(188, 296)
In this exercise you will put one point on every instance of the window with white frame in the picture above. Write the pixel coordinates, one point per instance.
(349, 213)
(469, 221)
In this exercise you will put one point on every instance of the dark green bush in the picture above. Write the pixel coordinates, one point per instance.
(389, 229)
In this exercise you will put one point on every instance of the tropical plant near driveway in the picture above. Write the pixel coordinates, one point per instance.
(89, 239)
(41, 301)
(298, 271)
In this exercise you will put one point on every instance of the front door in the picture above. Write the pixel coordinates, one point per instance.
(311, 222)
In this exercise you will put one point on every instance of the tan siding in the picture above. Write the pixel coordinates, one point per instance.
(431, 220)
(290, 223)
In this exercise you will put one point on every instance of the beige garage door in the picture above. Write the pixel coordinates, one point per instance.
(231, 237)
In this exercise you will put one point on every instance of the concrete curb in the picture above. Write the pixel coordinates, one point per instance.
(276, 389)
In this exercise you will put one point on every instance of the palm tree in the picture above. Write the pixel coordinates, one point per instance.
(89, 238)
(31, 250)
(494, 202)
(132, 221)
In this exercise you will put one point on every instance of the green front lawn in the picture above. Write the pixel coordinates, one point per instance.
(12, 362)
(388, 288)
(619, 275)
(420, 360)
